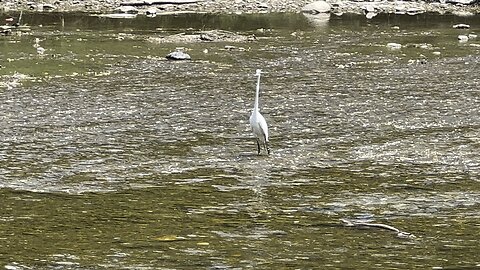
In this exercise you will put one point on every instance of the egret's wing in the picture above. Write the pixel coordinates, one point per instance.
(263, 127)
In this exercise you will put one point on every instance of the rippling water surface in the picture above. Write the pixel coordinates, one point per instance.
(112, 157)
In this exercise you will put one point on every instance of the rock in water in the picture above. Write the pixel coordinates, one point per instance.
(461, 26)
(462, 2)
(127, 10)
(462, 38)
(151, 12)
(394, 46)
(317, 7)
(178, 55)
(369, 8)
(370, 15)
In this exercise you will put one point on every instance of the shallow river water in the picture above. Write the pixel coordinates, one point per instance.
(112, 157)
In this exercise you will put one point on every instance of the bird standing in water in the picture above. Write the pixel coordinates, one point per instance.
(36, 45)
(257, 121)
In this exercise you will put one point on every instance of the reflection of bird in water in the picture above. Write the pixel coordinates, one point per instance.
(258, 123)
(40, 49)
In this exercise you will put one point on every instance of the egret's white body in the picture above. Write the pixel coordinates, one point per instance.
(257, 121)
(40, 49)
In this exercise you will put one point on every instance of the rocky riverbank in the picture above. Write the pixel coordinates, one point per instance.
(152, 7)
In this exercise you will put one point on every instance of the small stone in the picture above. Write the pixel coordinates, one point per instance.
(415, 11)
(127, 10)
(394, 46)
(461, 26)
(400, 10)
(462, 38)
(369, 8)
(370, 15)
(178, 55)
(48, 7)
(263, 6)
(206, 37)
(151, 12)
(462, 2)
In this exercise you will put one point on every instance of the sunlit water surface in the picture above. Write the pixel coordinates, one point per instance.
(112, 157)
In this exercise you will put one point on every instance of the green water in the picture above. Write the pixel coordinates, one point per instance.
(112, 157)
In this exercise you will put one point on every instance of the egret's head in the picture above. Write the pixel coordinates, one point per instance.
(258, 72)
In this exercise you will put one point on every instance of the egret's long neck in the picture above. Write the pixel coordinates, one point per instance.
(257, 93)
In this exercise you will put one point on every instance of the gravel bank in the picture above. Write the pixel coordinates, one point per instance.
(232, 6)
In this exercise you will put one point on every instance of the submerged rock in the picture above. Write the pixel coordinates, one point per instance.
(178, 55)
(318, 20)
(203, 36)
(118, 16)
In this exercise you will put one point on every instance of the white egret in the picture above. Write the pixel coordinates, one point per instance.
(257, 121)
(40, 49)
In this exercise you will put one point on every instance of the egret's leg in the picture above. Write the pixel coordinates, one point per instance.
(266, 144)
(258, 146)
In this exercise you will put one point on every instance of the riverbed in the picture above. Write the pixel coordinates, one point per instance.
(113, 157)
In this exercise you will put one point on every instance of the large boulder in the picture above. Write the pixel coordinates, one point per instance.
(317, 7)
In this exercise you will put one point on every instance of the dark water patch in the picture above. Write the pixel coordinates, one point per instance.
(199, 21)
(417, 22)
